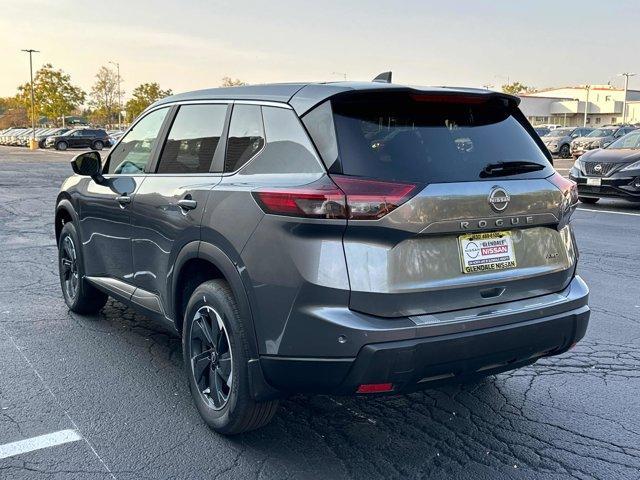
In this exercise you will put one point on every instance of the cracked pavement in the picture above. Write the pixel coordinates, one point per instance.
(117, 378)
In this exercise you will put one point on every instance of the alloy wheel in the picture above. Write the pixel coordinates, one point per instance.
(211, 358)
(69, 265)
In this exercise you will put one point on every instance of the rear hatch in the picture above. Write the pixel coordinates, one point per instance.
(475, 213)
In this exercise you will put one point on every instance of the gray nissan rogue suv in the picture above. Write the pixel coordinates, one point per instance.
(339, 238)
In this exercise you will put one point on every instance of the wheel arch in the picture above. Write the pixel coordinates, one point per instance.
(198, 262)
(64, 213)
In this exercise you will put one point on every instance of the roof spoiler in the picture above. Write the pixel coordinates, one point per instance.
(384, 77)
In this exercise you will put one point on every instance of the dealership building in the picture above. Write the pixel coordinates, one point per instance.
(566, 106)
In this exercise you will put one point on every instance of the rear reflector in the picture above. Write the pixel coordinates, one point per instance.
(349, 197)
(375, 388)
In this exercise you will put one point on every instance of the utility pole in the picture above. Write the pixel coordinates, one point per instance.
(31, 51)
(586, 106)
(624, 102)
(119, 96)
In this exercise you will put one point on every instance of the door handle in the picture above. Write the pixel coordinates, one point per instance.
(187, 204)
(123, 200)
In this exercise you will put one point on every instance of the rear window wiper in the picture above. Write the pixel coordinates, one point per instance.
(501, 169)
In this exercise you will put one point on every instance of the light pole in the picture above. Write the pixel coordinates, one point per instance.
(624, 102)
(119, 96)
(342, 74)
(31, 51)
(586, 106)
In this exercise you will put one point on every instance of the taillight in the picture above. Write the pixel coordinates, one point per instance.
(321, 199)
(369, 199)
(349, 197)
(569, 190)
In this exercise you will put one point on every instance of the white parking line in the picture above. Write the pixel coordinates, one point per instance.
(608, 211)
(38, 443)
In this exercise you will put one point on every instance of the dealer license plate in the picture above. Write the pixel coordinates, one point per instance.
(596, 182)
(485, 252)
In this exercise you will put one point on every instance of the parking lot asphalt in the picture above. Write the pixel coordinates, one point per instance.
(116, 380)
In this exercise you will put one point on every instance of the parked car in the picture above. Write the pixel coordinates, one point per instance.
(42, 137)
(541, 131)
(613, 171)
(558, 141)
(337, 238)
(598, 138)
(96, 139)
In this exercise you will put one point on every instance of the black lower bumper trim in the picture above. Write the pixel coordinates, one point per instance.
(425, 362)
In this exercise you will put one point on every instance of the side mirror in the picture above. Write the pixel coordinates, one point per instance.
(88, 164)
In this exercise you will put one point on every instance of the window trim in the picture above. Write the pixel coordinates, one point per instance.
(217, 165)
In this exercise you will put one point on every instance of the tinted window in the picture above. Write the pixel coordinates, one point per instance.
(319, 123)
(422, 138)
(134, 151)
(288, 148)
(246, 136)
(193, 139)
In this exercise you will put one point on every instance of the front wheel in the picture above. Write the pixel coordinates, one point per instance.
(97, 145)
(80, 296)
(215, 350)
(588, 199)
(61, 146)
(565, 151)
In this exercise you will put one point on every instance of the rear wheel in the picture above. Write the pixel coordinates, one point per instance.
(565, 151)
(97, 145)
(215, 353)
(80, 296)
(588, 199)
(61, 146)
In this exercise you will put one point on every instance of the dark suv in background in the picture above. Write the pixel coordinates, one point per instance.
(93, 138)
(340, 238)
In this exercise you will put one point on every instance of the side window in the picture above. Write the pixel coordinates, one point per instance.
(246, 136)
(288, 148)
(319, 123)
(193, 139)
(134, 151)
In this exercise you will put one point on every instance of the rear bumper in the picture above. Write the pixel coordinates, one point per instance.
(452, 347)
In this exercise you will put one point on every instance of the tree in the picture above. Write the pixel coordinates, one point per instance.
(515, 87)
(143, 96)
(104, 96)
(232, 82)
(13, 112)
(54, 94)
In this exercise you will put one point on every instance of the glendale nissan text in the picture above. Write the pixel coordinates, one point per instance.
(338, 238)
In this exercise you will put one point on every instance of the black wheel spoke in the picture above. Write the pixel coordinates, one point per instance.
(202, 331)
(211, 357)
(200, 364)
(224, 368)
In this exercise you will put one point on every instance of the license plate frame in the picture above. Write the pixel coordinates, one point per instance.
(486, 252)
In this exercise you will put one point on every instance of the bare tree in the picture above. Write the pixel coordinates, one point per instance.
(232, 82)
(104, 96)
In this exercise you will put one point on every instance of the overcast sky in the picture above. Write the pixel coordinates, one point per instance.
(191, 44)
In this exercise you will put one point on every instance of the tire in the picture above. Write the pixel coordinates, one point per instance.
(227, 409)
(61, 146)
(80, 296)
(565, 151)
(97, 145)
(588, 199)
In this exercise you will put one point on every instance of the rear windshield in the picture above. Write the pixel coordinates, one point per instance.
(427, 139)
